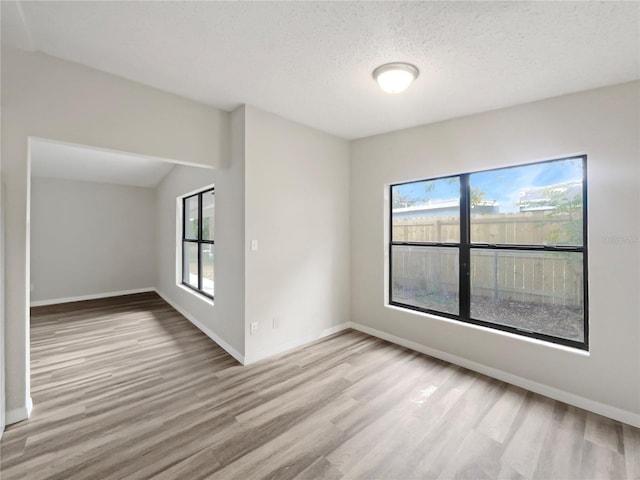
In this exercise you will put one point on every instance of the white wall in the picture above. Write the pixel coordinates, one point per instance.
(224, 320)
(297, 208)
(50, 98)
(286, 186)
(602, 123)
(90, 238)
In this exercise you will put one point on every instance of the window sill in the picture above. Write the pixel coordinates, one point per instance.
(535, 341)
(196, 294)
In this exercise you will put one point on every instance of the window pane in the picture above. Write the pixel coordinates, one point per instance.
(425, 277)
(540, 292)
(191, 218)
(190, 264)
(537, 204)
(207, 268)
(208, 202)
(426, 211)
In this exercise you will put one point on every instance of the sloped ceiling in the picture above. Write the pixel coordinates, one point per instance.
(76, 162)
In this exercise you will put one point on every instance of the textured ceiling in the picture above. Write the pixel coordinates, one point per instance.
(76, 162)
(312, 61)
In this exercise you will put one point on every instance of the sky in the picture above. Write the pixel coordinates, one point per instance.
(503, 185)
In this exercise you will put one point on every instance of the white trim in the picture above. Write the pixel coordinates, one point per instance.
(209, 333)
(94, 296)
(615, 413)
(197, 295)
(252, 358)
(19, 414)
(120, 152)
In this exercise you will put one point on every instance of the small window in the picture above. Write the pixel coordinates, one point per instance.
(198, 242)
(502, 248)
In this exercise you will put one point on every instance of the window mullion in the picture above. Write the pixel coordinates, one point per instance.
(465, 253)
(390, 251)
(200, 241)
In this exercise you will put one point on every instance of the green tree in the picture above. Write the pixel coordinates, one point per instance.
(570, 231)
(478, 196)
(402, 201)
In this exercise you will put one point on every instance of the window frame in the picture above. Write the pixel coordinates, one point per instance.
(199, 241)
(465, 247)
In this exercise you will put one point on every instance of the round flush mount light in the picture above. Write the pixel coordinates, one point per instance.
(395, 77)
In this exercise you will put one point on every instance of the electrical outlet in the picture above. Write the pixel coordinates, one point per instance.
(275, 322)
(254, 328)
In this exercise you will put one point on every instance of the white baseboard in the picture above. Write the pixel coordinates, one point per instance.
(93, 296)
(209, 333)
(615, 413)
(252, 358)
(19, 414)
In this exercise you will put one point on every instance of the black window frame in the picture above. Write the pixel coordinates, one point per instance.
(465, 247)
(198, 241)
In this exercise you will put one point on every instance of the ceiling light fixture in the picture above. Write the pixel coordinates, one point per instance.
(395, 77)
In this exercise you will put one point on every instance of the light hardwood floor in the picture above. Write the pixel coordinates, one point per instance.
(126, 388)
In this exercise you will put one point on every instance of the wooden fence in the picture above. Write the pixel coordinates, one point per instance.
(525, 276)
(530, 228)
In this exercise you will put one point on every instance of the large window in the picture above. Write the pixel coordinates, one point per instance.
(502, 248)
(198, 241)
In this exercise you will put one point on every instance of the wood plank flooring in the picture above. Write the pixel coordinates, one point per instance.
(126, 388)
